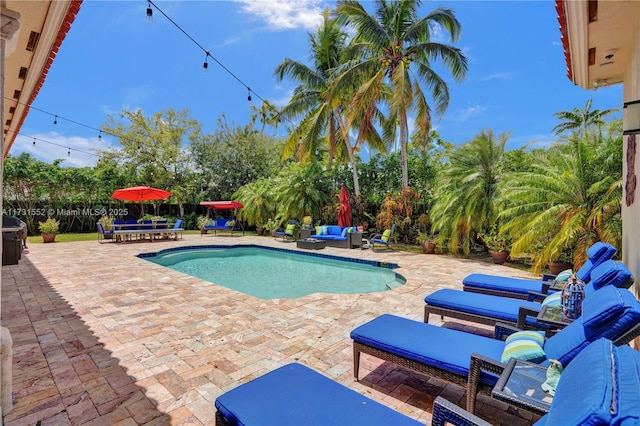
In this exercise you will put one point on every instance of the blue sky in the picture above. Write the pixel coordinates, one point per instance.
(114, 59)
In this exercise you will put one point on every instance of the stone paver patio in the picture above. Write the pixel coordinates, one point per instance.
(102, 337)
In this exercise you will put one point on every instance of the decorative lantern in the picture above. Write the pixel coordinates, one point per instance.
(572, 297)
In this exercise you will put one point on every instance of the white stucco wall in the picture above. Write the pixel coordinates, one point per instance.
(631, 214)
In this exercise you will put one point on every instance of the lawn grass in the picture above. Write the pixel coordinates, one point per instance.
(72, 237)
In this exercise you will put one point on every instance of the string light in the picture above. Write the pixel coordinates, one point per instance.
(69, 149)
(55, 121)
(69, 152)
(100, 135)
(149, 13)
(249, 96)
(34, 141)
(206, 64)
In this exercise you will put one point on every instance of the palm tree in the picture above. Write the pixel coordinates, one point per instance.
(301, 190)
(467, 191)
(267, 113)
(321, 109)
(568, 200)
(257, 199)
(393, 54)
(581, 119)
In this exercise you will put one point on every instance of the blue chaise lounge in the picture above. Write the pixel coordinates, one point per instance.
(489, 309)
(519, 287)
(608, 395)
(299, 396)
(475, 361)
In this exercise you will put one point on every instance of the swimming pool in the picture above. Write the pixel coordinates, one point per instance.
(271, 273)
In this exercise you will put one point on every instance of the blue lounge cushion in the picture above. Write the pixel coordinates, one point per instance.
(508, 284)
(502, 308)
(441, 347)
(297, 395)
(525, 345)
(611, 273)
(600, 308)
(608, 394)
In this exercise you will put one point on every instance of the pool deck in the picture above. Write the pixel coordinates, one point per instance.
(102, 337)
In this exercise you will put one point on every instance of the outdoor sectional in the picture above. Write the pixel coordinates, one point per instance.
(472, 360)
(336, 236)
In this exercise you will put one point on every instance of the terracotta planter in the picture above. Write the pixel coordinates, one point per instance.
(499, 257)
(429, 248)
(556, 267)
(48, 238)
(259, 231)
(273, 232)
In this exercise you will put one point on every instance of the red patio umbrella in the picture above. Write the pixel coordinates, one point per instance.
(344, 215)
(140, 193)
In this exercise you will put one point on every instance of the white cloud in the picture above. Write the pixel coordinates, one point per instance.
(286, 14)
(76, 151)
(468, 113)
(532, 141)
(497, 76)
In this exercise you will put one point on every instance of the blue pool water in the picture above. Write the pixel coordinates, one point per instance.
(278, 274)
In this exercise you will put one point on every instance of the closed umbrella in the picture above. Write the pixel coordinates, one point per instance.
(344, 215)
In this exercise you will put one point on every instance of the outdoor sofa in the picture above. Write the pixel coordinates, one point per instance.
(489, 309)
(607, 395)
(475, 361)
(519, 287)
(336, 236)
(220, 224)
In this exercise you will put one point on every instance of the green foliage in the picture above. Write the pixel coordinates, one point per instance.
(271, 225)
(467, 199)
(302, 190)
(258, 199)
(49, 226)
(495, 241)
(568, 200)
(107, 222)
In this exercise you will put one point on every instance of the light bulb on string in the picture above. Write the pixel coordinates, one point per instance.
(249, 95)
(34, 141)
(205, 65)
(149, 13)
(100, 135)
(55, 120)
(69, 152)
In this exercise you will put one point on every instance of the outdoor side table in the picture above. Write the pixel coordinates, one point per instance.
(521, 386)
(311, 244)
(552, 315)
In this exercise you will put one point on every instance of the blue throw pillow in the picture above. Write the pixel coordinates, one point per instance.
(554, 299)
(564, 275)
(524, 345)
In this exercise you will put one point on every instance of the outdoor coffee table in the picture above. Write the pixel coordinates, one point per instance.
(311, 244)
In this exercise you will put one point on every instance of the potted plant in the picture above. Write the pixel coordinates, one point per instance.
(202, 221)
(271, 226)
(107, 225)
(498, 246)
(49, 229)
(563, 262)
(427, 241)
(307, 222)
(259, 228)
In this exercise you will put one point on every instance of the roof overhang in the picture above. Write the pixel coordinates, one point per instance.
(43, 26)
(598, 37)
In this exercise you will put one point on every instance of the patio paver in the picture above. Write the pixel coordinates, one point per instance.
(102, 337)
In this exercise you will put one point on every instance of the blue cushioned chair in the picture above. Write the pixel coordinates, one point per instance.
(102, 233)
(471, 360)
(520, 287)
(297, 395)
(489, 309)
(607, 395)
(289, 232)
(382, 239)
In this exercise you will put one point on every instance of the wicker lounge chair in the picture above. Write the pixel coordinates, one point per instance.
(489, 309)
(473, 361)
(608, 395)
(297, 395)
(519, 288)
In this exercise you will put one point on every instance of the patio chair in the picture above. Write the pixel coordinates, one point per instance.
(102, 233)
(476, 361)
(297, 395)
(382, 239)
(289, 232)
(489, 309)
(177, 229)
(608, 395)
(519, 287)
